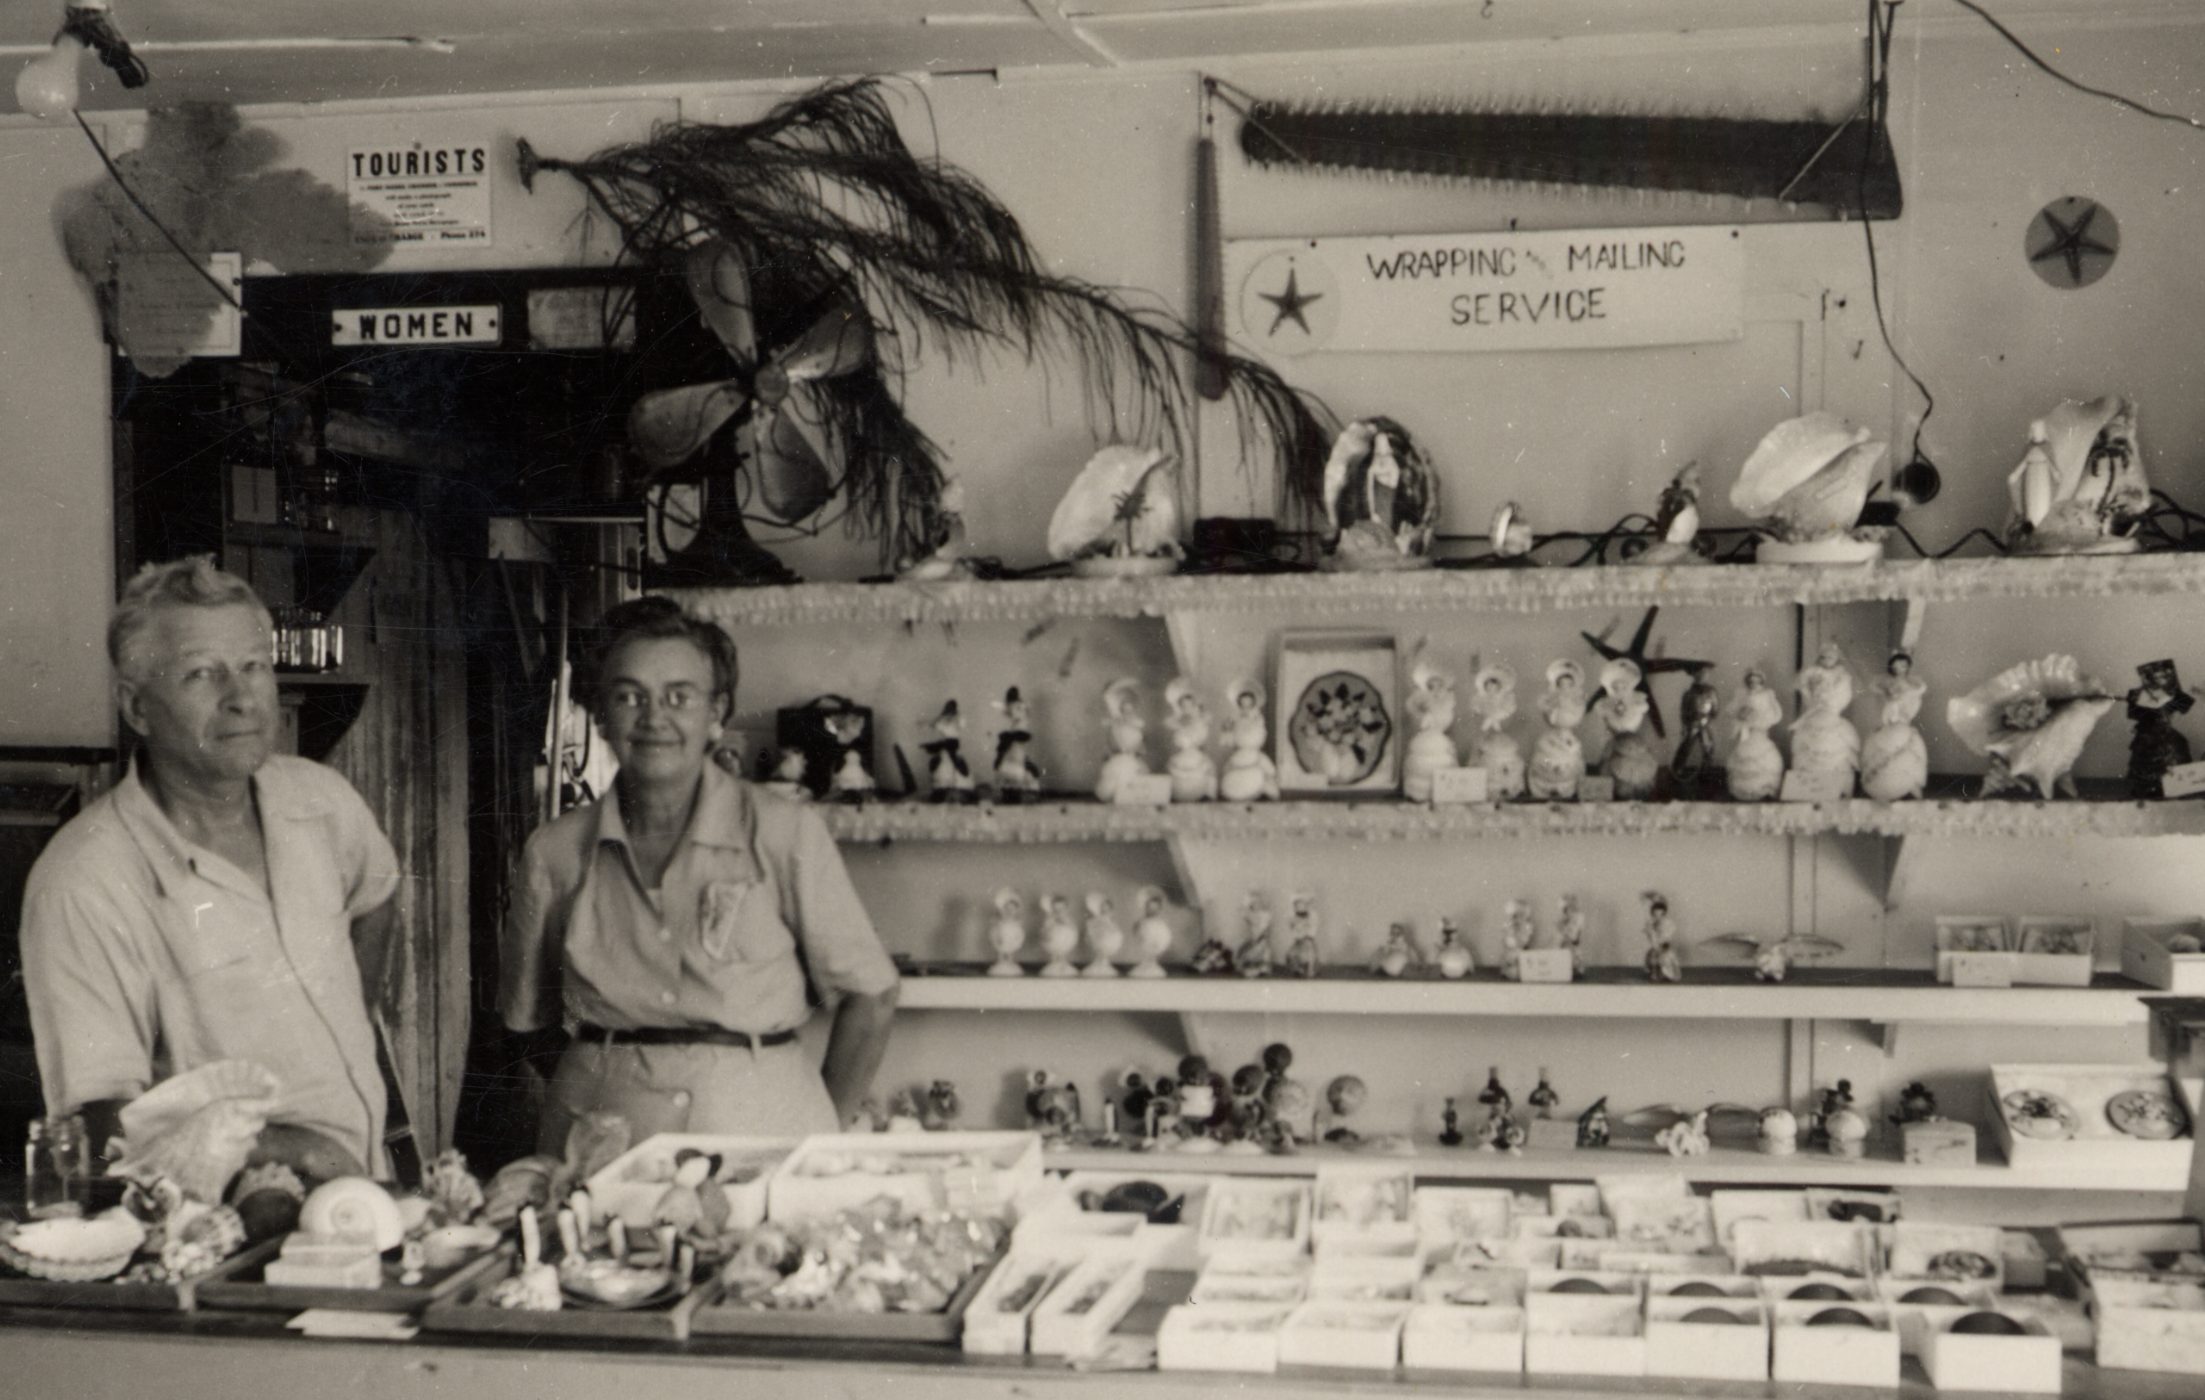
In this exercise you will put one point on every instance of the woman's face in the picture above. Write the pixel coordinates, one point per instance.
(660, 710)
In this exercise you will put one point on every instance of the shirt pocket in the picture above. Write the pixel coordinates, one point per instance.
(740, 921)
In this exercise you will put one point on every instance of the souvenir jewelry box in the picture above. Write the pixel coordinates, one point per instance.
(1364, 1279)
(1782, 1249)
(1834, 1343)
(1255, 1218)
(1088, 1202)
(2116, 1117)
(2036, 950)
(1720, 1338)
(1221, 1337)
(1364, 1209)
(1279, 1281)
(1366, 1336)
(2150, 1323)
(1437, 1337)
(631, 1186)
(997, 1321)
(979, 1173)
(1088, 1302)
(2165, 953)
(1446, 1214)
(1938, 1253)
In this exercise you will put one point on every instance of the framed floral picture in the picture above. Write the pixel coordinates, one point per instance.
(1339, 713)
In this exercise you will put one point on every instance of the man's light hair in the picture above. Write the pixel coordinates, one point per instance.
(194, 581)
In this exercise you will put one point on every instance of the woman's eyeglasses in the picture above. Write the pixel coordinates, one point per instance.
(634, 699)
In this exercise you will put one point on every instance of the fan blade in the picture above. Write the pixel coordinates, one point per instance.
(721, 288)
(838, 343)
(791, 457)
(667, 426)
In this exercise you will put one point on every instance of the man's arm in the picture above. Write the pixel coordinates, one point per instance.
(856, 1047)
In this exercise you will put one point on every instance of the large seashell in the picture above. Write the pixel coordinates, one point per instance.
(1978, 716)
(198, 1127)
(72, 1251)
(1791, 453)
(353, 1208)
(1086, 520)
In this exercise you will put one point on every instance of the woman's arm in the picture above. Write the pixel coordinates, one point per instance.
(855, 1048)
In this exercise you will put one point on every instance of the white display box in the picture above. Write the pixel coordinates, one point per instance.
(1441, 1338)
(1254, 1218)
(1719, 1351)
(1363, 1280)
(1583, 1334)
(1609, 1259)
(1779, 1288)
(1086, 1303)
(1221, 1337)
(2147, 958)
(1278, 1287)
(1972, 1254)
(1916, 1320)
(2086, 1090)
(1573, 1197)
(979, 1173)
(1364, 1199)
(1366, 1336)
(996, 1320)
(1170, 1246)
(2021, 1259)
(2025, 1365)
(2150, 1324)
(1445, 1214)
(1730, 1207)
(1471, 1286)
(1803, 1351)
(1570, 1282)
(630, 1186)
(1695, 1288)
(1790, 1247)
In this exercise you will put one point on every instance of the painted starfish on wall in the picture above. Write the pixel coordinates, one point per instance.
(1290, 304)
(1648, 666)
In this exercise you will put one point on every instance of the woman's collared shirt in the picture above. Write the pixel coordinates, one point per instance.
(755, 897)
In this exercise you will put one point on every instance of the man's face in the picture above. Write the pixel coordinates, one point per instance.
(200, 686)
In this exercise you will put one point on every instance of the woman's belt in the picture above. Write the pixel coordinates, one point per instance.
(678, 1035)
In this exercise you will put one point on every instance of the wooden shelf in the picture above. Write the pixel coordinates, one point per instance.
(1315, 596)
(1722, 1166)
(1706, 994)
(1332, 820)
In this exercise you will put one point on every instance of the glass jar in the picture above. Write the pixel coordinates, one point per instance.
(56, 1167)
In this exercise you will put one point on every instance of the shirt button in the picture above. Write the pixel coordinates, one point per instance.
(665, 998)
(681, 1099)
(665, 935)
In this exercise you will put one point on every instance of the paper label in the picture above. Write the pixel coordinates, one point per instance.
(173, 312)
(1594, 787)
(1454, 786)
(1819, 785)
(1147, 790)
(1982, 969)
(2184, 780)
(1545, 965)
(416, 192)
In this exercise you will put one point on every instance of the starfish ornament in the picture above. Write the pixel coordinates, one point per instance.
(1290, 303)
(2071, 242)
(1648, 666)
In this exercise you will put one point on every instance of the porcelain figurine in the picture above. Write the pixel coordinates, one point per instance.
(1592, 1124)
(1894, 761)
(1450, 1133)
(1687, 1137)
(1662, 961)
(1104, 937)
(1431, 704)
(1755, 771)
(1243, 1128)
(1152, 934)
(1008, 933)
(1493, 701)
(1289, 1109)
(1344, 1098)
(1773, 957)
(1250, 775)
(1454, 958)
(1381, 499)
(1016, 778)
(788, 776)
(2081, 486)
(1569, 932)
(1398, 956)
(2155, 745)
(1060, 937)
(1693, 770)
(1846, 1132)
(1510, 533)
(1543, 1099)
(1803, 488)
(1676, 521)
(1517, 933)
(948, 775)
(1495, 1095)
(1193, 771)
(1558, 758)
(1823, 739)
(1253, 957)
(1213, 955)
(1301, 933)
(1200, 1098)
(1120, 516)
(1128, 733)
(1776, 1132)
(945, 539)
(1502, 1133)
(2030, 721)
(1630, 760)
(1052, 1106)
(851, 781)
(939, 1112)
(1916, 1104)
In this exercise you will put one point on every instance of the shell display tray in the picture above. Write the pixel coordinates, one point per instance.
(469, 1309)
(718, 1316)
(107, 1295)
(239, 1286)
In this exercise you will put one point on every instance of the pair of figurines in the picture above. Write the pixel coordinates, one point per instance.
(949, 773)
(1248, 774)
(1431, 705)
(1061, 935)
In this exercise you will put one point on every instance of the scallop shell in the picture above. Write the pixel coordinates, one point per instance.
(73, 1251)
(1975, 715)
(1792, 452)
(1087, 517)
(353, 1208)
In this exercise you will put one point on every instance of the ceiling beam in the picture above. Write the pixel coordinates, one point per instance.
(1056, 21)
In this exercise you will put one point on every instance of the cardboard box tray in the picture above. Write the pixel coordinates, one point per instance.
(239, 1286)
(468, 1309)
(715, 1315)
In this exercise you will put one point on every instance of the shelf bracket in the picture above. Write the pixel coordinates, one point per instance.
(1887, 1036)
(1799, 1062)
(1186, 643)
(1901, 857)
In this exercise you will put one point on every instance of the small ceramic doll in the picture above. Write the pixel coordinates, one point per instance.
(2156, 745)
(1756, 769)
(1200, 1092)
(1250, 775)
(1517, 934)
(1152, 934)
(1008, 933)
(1493, 701)
(1687, 1137)
(948, 775)
(1894, 762)
(1823, 739)
(1450, 1134)
(1630, 761)
(1287, 1101)
(1662, 961)
(1344, 1098)
(1832, 1101)
(939, 1112)
(1569, 932)
(1495, 1095)
(1916, 1104)
(1104, 937)
(788, 776)
(1398, 956)
(1592, 1124)
(1060, 937)
(1122, 718)
(1253, 957)
(1454, 958)
(1693, 768)
(1558, 759)
(1431, 703)
(1777, 1132)
(1016, 778)
(1502, 1132)
(1302, 955)
(1213, 955)
(1052, 1106)
(945, 537)
(1193, 771)
(1543, 1099)
(851, 780)
(1245, 1111)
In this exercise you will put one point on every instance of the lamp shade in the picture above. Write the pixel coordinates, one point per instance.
(47, 88)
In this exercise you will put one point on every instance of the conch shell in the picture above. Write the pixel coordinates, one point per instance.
(1100, 514)
(1808, 478)
(2081, 486)
(198, 1127)
(2031, 721)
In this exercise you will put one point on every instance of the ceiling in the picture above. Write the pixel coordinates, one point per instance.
(262, 51)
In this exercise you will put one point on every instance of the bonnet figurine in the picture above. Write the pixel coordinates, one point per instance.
(788, 776)
(1398, 956)
(1302, 956)
(1059, 937)
(1381, 499)
(1676, 521)
(2030, 721)
(1122, 718)
(1431, 704)
(1756, 769)
(1558, 759)
(948, 775)
(1824, 741)
(1493, 701)
(1008, 933)
(1569, 932)
(1510, 534)
(1454, 958)
(1152, 934)
(1662, 963)
(944, 537)
(1517, 934)
(2081, 487)
(851, 781)
(1253, 957)
(1193, 771)
(1344, 1097)
(1776, 1132)
(2156, 745)
(1016, 778)
(1630, 761)
(1894, 762)
(1692, 771)
(1249, 775)
(1104, 937)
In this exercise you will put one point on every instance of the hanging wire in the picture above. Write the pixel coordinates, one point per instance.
(150, 217)
(2142, 109)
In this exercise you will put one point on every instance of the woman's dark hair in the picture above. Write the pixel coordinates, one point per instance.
(653, 618)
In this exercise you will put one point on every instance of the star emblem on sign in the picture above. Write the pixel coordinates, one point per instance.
(2074, 236)
(1290, 302)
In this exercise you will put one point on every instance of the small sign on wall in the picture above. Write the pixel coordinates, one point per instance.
(415, 192)
(1593, 289)
(414, 325)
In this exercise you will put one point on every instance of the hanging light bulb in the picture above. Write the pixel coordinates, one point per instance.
(47, 87)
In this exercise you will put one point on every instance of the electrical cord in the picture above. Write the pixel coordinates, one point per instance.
(2142, 109)
(150, 217)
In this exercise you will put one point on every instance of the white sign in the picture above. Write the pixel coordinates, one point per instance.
(1816, 785)
(1144, 790)
(419, 193)
(1546, 965)
(1594, 289)
(2183, 780)
(1456, 786)
(414, 325)
(170, 309)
